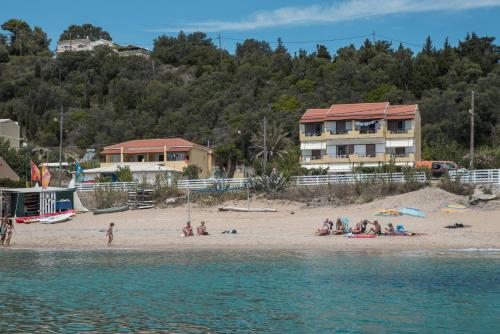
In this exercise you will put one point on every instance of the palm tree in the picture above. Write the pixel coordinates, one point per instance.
(276, 142)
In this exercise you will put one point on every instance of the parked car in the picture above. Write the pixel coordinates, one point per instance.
(439, 168)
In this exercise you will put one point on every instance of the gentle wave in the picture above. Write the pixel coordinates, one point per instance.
(494, 250)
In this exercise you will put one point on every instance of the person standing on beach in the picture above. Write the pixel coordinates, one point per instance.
(3, 230)
(9, 230)
(109, 233)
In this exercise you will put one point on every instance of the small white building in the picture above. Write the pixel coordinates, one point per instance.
(141, 171)
(84, 44)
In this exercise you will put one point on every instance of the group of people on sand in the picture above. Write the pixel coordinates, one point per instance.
(187, 231)
(6, 230)
(361, 228)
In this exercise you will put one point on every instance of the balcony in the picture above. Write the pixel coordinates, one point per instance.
(400, 133)
(312, 136)
(409, 157)
(359, 158)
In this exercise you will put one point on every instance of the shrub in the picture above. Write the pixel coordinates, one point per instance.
(124, 174)
(191, 172)
(107, 198)
(456, 186)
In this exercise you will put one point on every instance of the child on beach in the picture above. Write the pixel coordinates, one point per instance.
(3, 230)
(390, 229)
(109, 233)
(8, 230)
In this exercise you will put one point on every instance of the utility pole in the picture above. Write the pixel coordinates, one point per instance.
(373, 39)
(471, 112)
(60, 143)
(265, 145)
(220, 49)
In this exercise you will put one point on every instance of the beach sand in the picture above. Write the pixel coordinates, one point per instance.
(292, 227)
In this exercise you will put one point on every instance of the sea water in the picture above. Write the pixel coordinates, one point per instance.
(249, 292)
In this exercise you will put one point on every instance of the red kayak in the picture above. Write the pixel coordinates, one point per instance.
(21, 220)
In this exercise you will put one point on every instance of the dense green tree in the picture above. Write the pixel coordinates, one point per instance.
(86, 30)
(24, 40)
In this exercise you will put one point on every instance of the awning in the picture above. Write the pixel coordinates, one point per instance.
(313, 145)
(399, 142)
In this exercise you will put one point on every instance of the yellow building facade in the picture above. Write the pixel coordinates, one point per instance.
(345, 136)
(173, 153)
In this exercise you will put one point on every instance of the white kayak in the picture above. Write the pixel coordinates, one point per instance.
(56, 219)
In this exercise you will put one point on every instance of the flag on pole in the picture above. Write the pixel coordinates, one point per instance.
(35, 173)
(45, 177)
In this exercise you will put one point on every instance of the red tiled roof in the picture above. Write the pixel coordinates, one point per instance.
(402, 111)
(353, 111)
(152, 146)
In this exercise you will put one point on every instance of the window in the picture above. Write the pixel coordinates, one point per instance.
(313, 129)
(178, 156)
(400, 151)
(343, 151)
(370, 150)
(115, 158)
(396, 126)
(315, 154)
(366, 126)
(341, 127)
(140, 158)
(160, 157)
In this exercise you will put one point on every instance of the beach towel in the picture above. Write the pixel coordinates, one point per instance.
(388, 212)
(412, 212)
(454, 208)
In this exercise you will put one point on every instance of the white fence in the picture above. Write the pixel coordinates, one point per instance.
(115, 186)
(491, 176)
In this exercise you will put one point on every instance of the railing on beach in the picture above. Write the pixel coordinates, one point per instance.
(491, 176)
(111, 186)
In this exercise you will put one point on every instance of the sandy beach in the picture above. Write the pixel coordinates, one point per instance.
(292, 227)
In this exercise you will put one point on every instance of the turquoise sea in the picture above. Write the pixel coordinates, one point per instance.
(249, 292)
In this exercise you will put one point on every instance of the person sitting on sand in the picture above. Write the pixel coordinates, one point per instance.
(376, 229)
(202, 229)
(188, 230)
(390, 229)
(339, 227)
(325, 229)
(109, 233)
(360, 227)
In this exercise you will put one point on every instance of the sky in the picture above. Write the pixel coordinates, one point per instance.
(300, 23)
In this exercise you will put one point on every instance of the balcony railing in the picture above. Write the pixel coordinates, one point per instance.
(398, 131)
(312, 134)
(339, 132)
(366, 131)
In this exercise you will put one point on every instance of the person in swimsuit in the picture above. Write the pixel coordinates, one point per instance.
(360, 227)
(9, 230)
(202, 229)
(3, 230)
(390, 229)
(325, 229)
(110, 232)
(188, 230)
(376, 229)
(339, 227)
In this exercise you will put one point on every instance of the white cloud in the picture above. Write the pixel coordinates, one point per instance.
(341, 11)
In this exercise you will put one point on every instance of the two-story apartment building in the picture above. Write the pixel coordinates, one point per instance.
(369, 134)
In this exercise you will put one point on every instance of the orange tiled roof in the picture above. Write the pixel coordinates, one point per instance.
(152, 146)
(377, 110)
